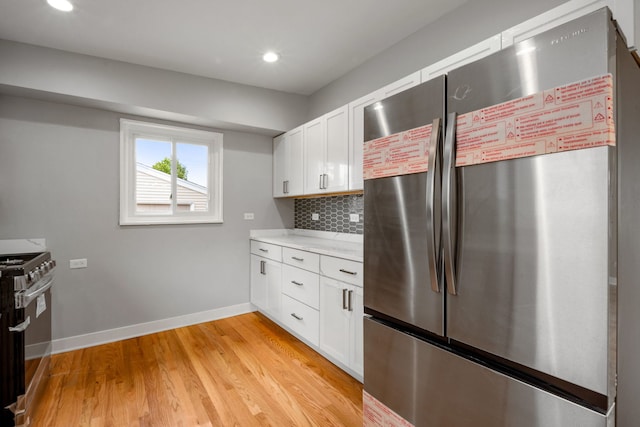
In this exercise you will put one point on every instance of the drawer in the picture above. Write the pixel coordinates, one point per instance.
(301, 319)
(341, 269)
(303, 259)
(302, 285)
(266, 250)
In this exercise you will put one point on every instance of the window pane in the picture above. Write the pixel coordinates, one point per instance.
(193, 179)
(153, 176)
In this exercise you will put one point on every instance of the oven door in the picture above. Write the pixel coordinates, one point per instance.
(33, 337)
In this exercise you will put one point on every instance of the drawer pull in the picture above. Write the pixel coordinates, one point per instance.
(295, 316)
(297, 283)
(353, 273)
(295, 258)
(264, 250)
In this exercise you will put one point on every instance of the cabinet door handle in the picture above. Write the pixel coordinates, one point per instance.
(295, 258)
(297, 283)
(295, 316)
(325, 181)
(263, 267)
(286, 186)
(353, 273)
(349, 298)
(320, 183)
(344, 299)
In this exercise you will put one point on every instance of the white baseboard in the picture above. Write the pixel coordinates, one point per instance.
(103, 337)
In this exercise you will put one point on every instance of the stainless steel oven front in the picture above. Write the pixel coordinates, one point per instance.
(31, 331)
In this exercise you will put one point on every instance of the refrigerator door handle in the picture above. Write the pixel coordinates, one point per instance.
(449, 219)
(433, 204)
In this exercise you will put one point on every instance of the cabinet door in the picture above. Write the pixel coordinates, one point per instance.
(335, 319)
(470, 54)
(356, 139)
(356, 361)
(258, 282)
(274, 288)
(314, 156)
(337, 150)
(400, 85)
(280, 165)
(295, 141)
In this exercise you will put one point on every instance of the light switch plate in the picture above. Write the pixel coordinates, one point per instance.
(354, 217)
(315, 217)
(248, 215)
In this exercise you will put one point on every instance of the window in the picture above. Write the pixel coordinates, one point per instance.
(169, 175)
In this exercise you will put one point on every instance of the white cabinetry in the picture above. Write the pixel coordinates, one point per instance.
(287, 163)
(301, 294)
(470, 54)
(341, 311)
(266, 278)
(316, 297)
(326, 153)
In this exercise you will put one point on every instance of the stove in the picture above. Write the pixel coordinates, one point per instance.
(25, 333)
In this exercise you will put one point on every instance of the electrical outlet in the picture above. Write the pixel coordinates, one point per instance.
(315, 217)
(78, 263)
(354, 217)
(248, 215)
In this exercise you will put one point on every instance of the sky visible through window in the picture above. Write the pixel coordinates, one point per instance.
(193, 157)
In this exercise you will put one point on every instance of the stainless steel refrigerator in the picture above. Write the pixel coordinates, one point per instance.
(501, 204)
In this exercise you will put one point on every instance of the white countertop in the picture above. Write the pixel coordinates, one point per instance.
(22, 246)
(342, 245)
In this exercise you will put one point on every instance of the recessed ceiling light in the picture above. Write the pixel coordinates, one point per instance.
(270, 57)
(63, 5)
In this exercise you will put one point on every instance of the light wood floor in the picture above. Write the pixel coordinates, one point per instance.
(240, 371)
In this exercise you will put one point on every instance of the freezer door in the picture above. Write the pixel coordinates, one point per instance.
(535, 243)
(430, 386)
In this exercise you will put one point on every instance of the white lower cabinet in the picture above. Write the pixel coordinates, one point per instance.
(300, 318)
(318, 298)
(266, 285)
(341, 312)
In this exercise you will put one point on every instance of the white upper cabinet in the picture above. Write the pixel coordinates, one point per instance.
(287, 163)
(624, 11)
(326, 153)
(470, 54)
(356, 138)
(400, 85)
(552, 18)
(356, 124)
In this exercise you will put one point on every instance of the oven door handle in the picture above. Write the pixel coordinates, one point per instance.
(26, 299)
(22, 326)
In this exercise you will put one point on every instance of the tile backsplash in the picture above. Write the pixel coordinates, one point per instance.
(333, 214)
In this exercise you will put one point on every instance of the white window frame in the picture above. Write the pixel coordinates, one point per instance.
(132, 129)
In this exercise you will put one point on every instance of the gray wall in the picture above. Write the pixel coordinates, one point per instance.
(59, 179)
(474, 21)
(122, 87)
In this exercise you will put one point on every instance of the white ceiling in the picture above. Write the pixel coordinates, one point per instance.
(318, 41)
